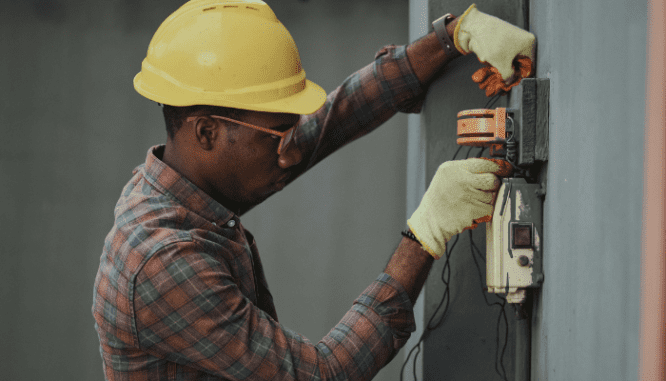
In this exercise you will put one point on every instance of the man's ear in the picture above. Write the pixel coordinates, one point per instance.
(207, 132)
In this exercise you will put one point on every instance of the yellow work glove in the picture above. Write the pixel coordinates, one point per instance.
(495, 42)
(460, 192)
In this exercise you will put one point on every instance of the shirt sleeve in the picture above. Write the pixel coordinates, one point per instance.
(365, 100)
(189, 310)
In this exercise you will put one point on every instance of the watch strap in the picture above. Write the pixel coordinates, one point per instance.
(439, 26)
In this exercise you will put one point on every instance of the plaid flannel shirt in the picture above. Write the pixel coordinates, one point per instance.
(180, 293)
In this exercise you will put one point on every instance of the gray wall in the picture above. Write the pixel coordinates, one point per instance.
(74, 128)
(586, 321)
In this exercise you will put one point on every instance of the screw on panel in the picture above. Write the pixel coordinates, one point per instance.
(523, 260)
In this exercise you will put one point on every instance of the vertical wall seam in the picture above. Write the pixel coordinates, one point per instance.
(653, 273)
(415, 187)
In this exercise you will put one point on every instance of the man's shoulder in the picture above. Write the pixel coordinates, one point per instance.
(145, 221)
(143, 205)
(149, 222)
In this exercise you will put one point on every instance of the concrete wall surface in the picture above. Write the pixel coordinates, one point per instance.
(587, 325)
(586, 317)
(73, 128)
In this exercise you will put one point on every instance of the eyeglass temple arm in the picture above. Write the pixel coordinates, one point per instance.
(267, 130)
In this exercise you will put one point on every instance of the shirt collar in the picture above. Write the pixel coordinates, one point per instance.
(172, 183)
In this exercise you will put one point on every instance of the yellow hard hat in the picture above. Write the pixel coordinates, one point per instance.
(232, 53)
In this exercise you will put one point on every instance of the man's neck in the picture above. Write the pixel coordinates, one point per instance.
(172, 158)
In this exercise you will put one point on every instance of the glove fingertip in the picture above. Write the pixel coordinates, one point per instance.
(482, 165)
(505, 168)
(481, 74)
(525, 67)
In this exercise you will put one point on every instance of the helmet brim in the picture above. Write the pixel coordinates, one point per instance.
(310, 99)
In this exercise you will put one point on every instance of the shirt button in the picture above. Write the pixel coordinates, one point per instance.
(231, 223)
(214, 224)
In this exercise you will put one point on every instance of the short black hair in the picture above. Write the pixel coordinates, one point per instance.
(174, 115)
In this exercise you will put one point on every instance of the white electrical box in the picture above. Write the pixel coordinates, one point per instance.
(514, 240)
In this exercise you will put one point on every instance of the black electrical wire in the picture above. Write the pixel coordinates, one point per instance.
(429, 327)
(481, 152)
(499, 358)
(468, 151)
(445, 277)
(456, 154)
(494, 99)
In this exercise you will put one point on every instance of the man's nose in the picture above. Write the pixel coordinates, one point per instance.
(290, 157)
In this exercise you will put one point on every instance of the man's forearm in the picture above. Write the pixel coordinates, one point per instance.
(427, 56)
(410, 265)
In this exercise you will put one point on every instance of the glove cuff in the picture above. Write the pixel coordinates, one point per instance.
(460, 37)
(436, 253)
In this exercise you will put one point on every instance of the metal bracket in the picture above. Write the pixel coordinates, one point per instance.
(528, 104)
(517, 134)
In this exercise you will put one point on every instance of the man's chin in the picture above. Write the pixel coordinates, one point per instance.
(264, 195)
(261, 196)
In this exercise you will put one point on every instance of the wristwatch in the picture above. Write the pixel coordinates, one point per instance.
(439, 26)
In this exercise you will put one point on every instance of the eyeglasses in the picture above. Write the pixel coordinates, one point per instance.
(286, 137)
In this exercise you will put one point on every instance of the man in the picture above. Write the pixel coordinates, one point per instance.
(180, 293)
